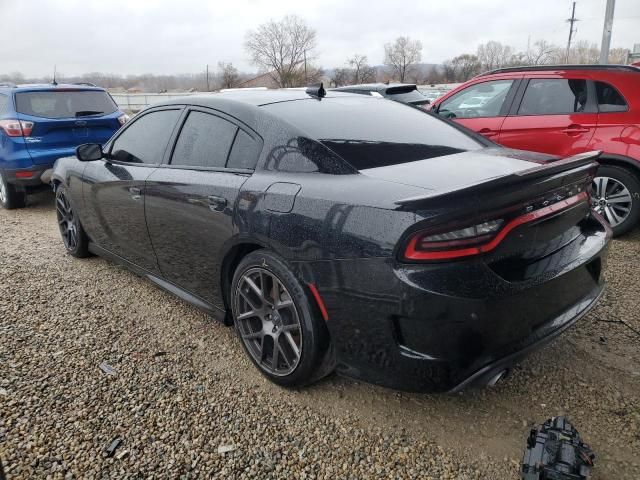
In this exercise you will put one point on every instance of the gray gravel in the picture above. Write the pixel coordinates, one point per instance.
(90, 353)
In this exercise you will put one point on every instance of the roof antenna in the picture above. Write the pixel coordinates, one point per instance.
(316, 90)
(54, 76)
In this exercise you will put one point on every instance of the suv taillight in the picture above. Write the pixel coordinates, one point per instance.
(17, 128)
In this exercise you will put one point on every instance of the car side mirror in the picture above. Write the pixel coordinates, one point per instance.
(88, 152)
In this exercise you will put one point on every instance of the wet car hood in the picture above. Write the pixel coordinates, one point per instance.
(451, 172)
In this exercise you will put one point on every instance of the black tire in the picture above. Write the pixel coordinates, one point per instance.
(313, 335)
(615, 212)
(10, 196)
(73, 235)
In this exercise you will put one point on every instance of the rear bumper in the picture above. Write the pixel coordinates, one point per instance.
(29, 177)
(487, 374)
(444, 327)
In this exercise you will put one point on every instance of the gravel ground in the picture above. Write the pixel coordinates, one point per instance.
(181, 391)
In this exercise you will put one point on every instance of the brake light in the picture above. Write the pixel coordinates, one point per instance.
(123, 119)
(17, 128)
(24, 174)
(479, 238)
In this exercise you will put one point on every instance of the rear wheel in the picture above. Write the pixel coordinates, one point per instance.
(616, 196)
(10, 197)
(278, 327)
(73, 235)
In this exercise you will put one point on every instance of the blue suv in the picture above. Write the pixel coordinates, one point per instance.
(41, 123)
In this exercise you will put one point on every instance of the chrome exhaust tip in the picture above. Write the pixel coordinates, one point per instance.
(498, 377)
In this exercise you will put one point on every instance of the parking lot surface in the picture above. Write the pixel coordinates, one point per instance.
(179, 393)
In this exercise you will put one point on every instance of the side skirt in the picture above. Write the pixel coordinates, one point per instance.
(188, 297)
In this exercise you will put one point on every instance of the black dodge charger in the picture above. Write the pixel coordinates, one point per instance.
(343, 232)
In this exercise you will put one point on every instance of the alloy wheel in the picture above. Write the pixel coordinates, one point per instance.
(66, 222)
(268, 321)
(611, 199)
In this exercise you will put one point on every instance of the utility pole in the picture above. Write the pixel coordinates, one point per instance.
(571, 21)
(208, 90)
(606, 32)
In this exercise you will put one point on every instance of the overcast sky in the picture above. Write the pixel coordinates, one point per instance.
(169, 36)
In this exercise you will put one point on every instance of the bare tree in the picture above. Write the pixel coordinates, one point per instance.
(362, 72)
(582, 52)
(540, 54)
(341, 76)
(229, 77)
(282, 47)
(461, 68)
(492, 55)
(618, 55)
(401, 55)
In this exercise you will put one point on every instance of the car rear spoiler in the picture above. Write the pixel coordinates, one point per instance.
(576, 163)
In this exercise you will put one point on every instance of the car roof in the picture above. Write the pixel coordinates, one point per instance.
(562, 68)
(48, 87)
(246, 106)
(256, 98)
(385, 88)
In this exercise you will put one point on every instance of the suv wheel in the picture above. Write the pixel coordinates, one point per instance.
(10, 197)
(276, 322)
(616, 196)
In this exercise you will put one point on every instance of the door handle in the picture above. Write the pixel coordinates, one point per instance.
(136, 193)
(575, 129)
(217, 204)
(487, 132)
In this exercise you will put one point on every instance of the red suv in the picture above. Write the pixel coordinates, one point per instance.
(563, 110)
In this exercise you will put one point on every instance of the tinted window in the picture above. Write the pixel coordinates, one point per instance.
(414, 97)
(480, 100)
(553, 97)
(369, 132)
(609, 99)
(145, 140)
(65, 104)
(4, 104)
(204, 141)
(244, 153)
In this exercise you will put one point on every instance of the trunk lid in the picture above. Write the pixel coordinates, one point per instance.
(457, 171)
(543, 206)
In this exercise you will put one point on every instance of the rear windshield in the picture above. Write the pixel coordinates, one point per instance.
(372, 132)
(65, 104)
(413, 96)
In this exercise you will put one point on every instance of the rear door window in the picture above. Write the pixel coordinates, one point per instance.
(478, 101)
(609, 99)
(554, 96)
(245, 151)
(145, 140)
(65, 104)
(204, 141)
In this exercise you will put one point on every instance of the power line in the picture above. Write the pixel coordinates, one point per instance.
(571, 21)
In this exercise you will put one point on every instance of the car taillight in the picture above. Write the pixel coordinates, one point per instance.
(25, 174)
(452, 244)
(17, 128)
(123, 119)
(479, 238)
